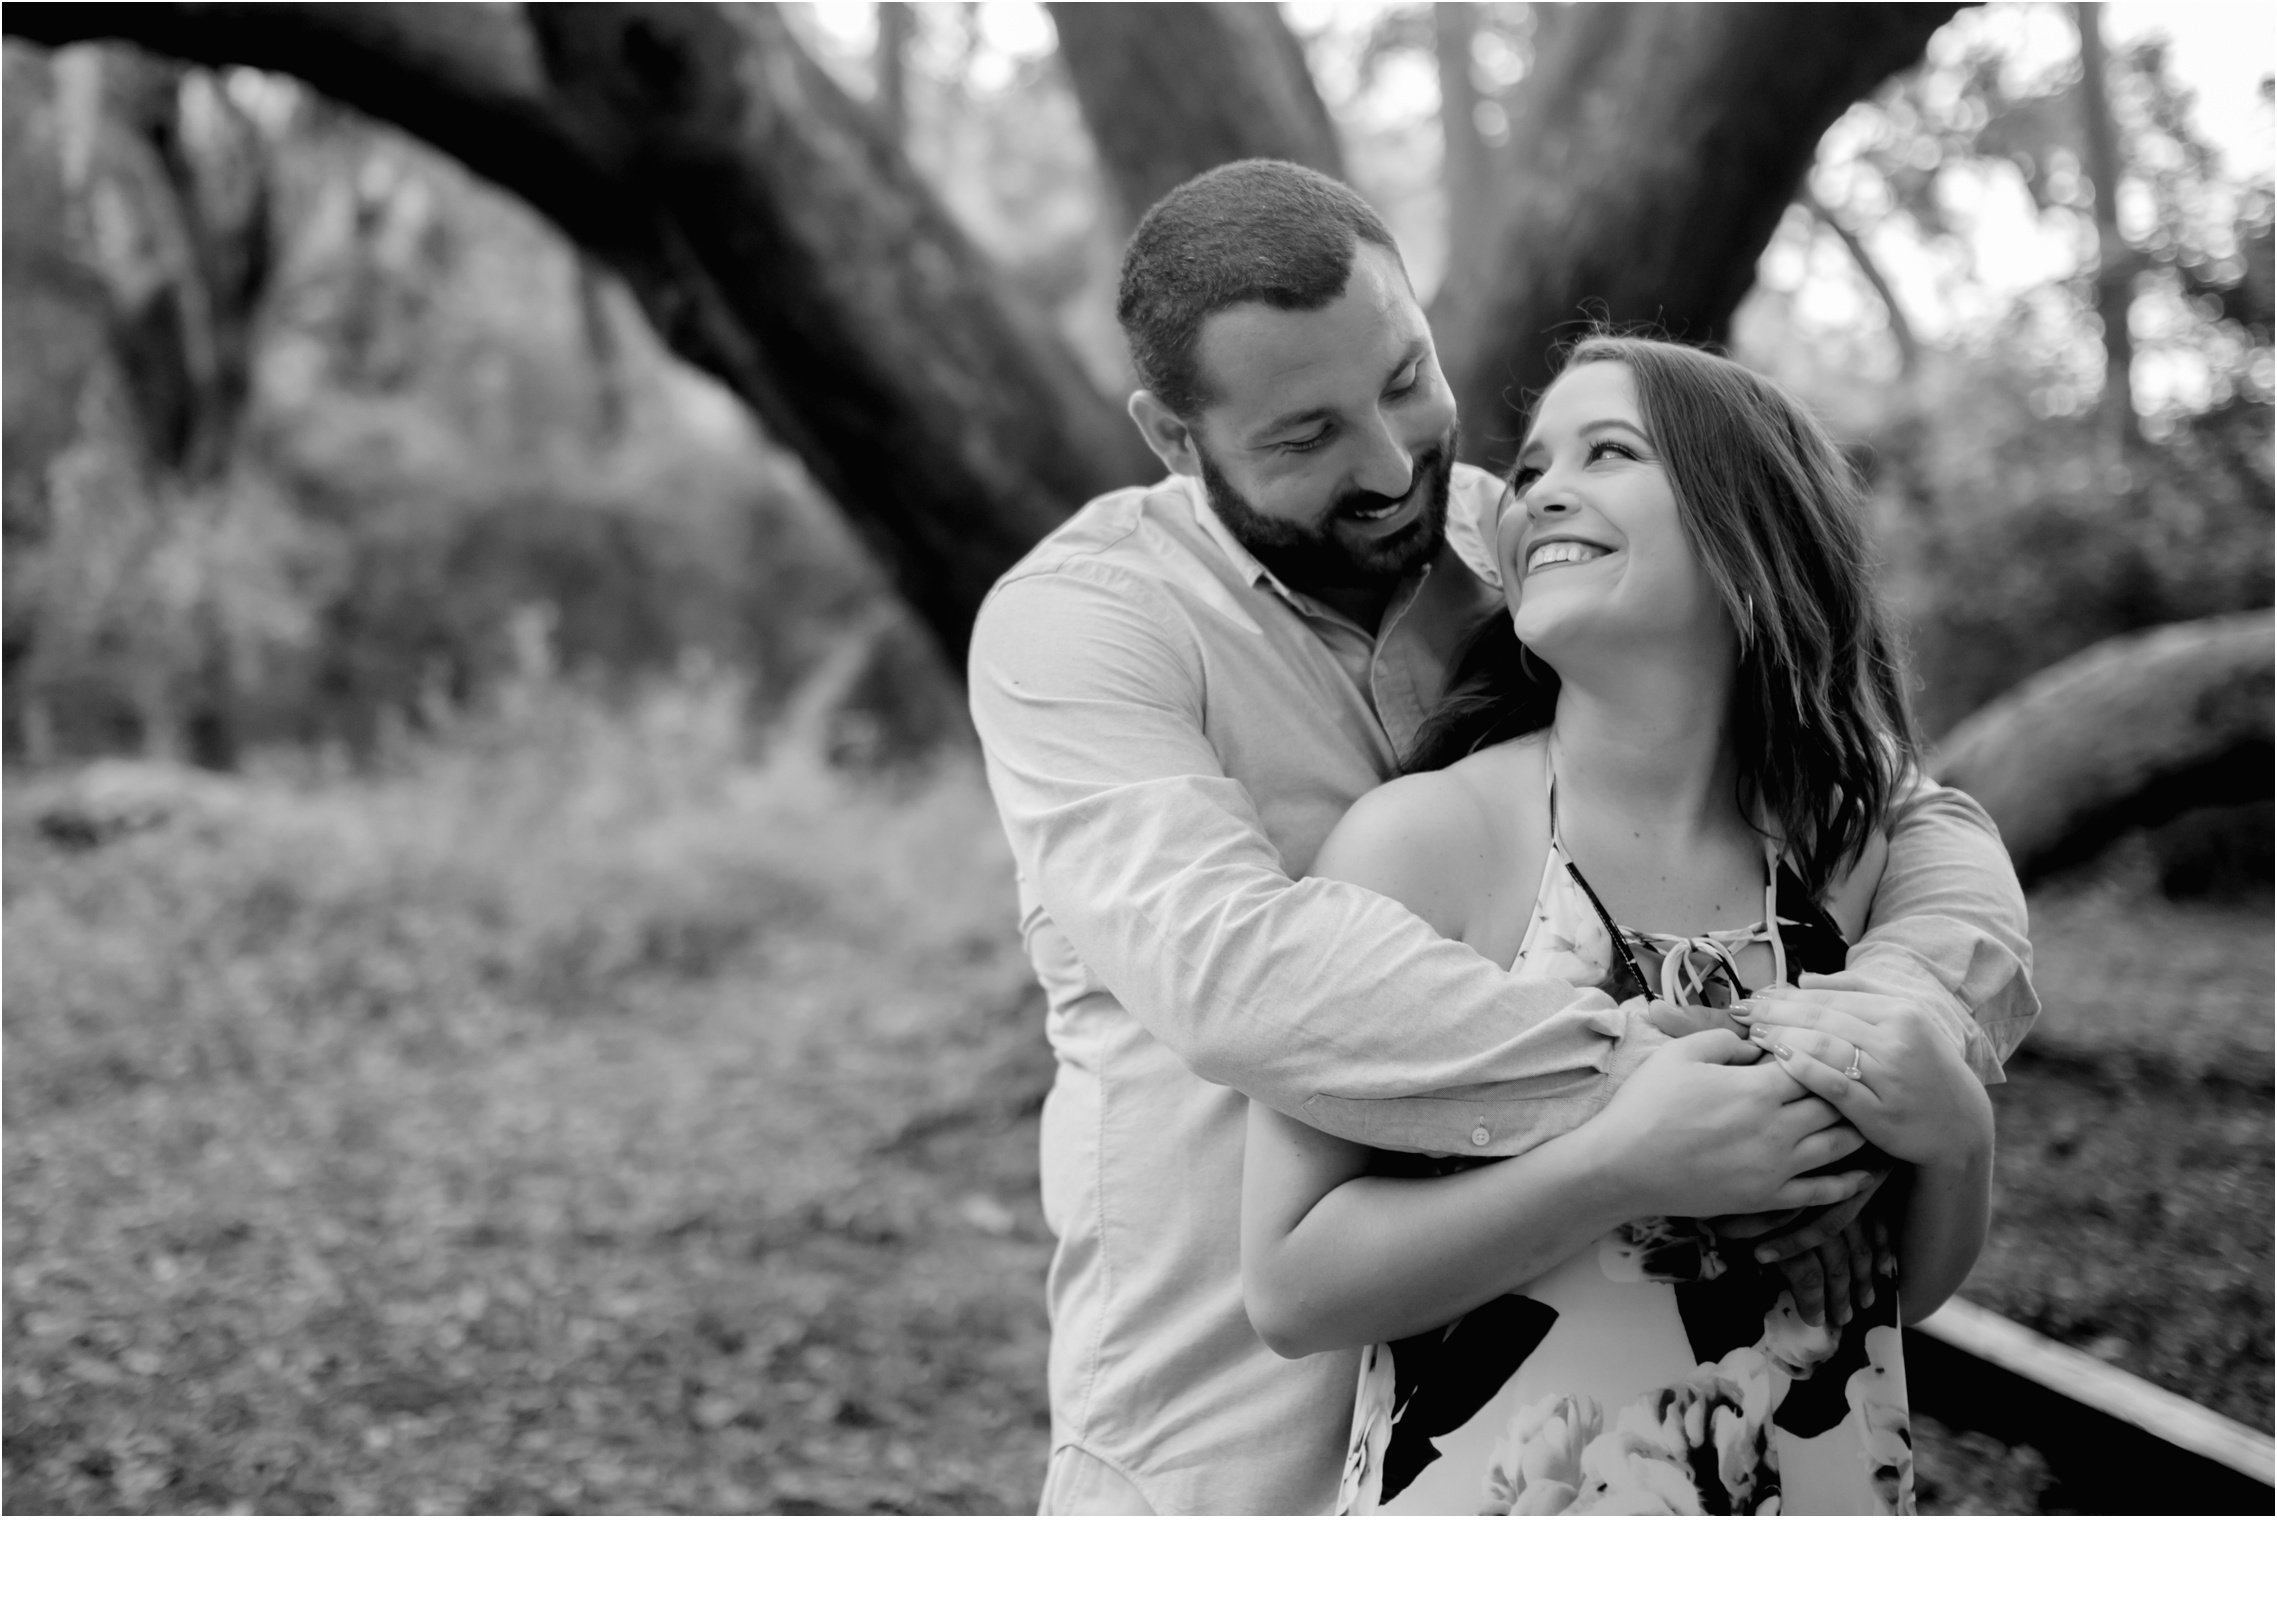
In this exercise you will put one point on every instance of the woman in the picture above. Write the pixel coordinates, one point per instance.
(1666, 775)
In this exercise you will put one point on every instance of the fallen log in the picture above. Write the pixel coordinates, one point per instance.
(2114, 1442)
(2130, 732)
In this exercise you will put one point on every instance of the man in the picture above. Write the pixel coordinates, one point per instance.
(1180, 692)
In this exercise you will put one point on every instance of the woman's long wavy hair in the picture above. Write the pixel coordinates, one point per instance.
(1820, 720)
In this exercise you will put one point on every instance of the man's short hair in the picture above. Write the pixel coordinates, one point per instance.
(1256, 231)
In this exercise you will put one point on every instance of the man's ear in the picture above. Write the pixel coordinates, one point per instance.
(1169, 437)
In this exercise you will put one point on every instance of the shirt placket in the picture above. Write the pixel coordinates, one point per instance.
(1380, 666)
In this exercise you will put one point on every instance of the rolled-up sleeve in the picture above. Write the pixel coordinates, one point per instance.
(1321, 999)
(1947, 927)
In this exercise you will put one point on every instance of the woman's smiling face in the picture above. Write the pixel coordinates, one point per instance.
(1591, 546)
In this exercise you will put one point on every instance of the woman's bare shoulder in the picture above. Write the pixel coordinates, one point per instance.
(1437, 841)
(1504, 779)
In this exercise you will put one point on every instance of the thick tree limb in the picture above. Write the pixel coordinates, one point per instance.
(2128, 733)
(1908, 346)
(771, 230)
(1653, 151)
(1171, 90)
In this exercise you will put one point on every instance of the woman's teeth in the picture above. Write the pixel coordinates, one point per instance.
(1552, 554)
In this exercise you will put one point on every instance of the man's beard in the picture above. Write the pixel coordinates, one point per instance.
(1318, 559)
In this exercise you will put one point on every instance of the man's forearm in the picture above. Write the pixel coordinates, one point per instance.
(1948, 927)
(1342, 1008)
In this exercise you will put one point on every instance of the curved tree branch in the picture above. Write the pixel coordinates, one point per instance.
(1909, 346)
(1651, 157)
(772, 231)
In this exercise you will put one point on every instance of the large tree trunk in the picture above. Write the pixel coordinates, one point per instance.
(1651, 157)
(772, 232)
(1171, 90)
(2130, 732)
(1464, 175)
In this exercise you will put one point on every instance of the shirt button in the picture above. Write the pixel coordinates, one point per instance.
(1479, 1136)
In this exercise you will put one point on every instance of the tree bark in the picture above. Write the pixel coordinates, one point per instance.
(896, 24)
(1648, 165)
(771, 231)
(2130, 732)
(1463, 171)
(2115, 260)
(1171, 90)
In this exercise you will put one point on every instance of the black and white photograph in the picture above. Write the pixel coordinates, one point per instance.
(1006, 760)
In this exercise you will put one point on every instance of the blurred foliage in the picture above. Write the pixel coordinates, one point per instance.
(1990, 131)
(455, 428)
(2015, 531)
(2014, 538)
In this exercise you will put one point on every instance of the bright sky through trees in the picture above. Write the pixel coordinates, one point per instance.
(2003, 255)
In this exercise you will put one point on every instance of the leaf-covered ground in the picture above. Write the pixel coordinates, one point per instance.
(584, 1118)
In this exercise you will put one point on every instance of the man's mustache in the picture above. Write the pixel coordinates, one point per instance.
(1360, 508)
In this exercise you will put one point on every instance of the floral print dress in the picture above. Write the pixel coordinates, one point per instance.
(1651, 1373)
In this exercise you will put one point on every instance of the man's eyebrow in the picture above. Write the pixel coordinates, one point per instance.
(1297, 418)
(1584, 430)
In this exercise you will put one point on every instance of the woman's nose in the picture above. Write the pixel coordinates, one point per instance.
(1547, 499)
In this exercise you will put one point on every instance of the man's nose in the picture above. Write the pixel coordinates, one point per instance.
(1387, 467)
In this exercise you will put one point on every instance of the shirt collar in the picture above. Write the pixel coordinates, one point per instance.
(1252, 571)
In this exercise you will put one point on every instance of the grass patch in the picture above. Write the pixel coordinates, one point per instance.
(587, 1116)
(529, 1131)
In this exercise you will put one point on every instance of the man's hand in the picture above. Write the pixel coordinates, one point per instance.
(1830, 1256)
(1697, 1130)
(1640, 1037)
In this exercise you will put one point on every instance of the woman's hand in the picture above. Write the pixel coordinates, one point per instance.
(1698, 1130)
(1881, 1062)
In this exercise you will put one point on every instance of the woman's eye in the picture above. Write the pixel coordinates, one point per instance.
(1523, 476)
(1612, 445)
